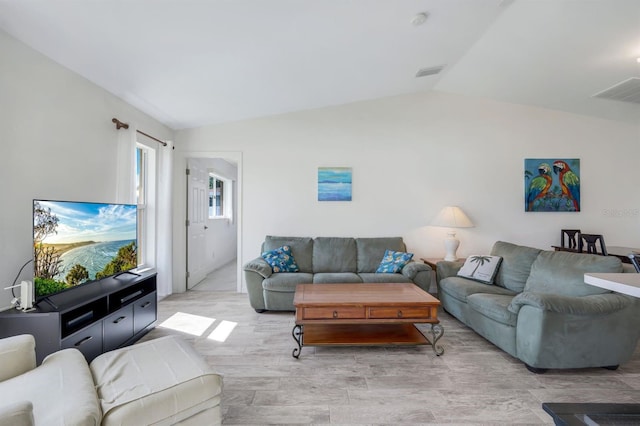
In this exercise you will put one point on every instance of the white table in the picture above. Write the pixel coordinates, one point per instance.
(625, 283)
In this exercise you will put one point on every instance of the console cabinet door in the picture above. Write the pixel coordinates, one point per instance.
(144, 312)
(88, 341)
(118, 327)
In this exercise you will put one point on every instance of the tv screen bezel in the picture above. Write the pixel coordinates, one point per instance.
(39, 297)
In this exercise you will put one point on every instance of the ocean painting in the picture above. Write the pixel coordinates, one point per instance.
(334, 183)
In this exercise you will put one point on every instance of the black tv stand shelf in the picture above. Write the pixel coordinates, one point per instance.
(94, 318)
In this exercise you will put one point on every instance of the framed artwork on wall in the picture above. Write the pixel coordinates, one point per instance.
(552, 185)
(334, 183)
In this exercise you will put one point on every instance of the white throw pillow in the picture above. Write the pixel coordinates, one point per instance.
(480, 268)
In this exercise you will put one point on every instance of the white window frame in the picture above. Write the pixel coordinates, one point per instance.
(147, 206)
(227, 197)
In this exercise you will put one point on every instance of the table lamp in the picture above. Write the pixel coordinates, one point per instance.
(451, 217)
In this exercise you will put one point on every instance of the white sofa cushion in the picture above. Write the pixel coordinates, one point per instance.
(61, 391)
(160, 381)
(17, 414)
(17, 355)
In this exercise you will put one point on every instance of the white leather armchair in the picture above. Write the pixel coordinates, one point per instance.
(17, 356)
(128, 386)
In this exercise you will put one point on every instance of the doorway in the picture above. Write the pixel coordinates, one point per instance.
(212, 226)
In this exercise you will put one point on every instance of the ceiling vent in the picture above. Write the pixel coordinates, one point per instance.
(626, 91)
(423, 72)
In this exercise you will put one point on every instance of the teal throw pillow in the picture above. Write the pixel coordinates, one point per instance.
(281, 260)
(393, 261)
(480, 268)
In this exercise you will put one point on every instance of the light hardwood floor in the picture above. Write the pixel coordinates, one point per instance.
(222, 279)
(473, 383)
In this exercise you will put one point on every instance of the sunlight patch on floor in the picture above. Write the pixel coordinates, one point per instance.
(195, 325)
(222, 331)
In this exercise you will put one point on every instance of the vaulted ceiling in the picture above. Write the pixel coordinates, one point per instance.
(190, 63)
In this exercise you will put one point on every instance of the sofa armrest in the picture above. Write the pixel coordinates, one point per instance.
(446, 269)
(17, 414)
(419, 273)
(17, 355)
(412, 269)
(260, 266)
(577, 305)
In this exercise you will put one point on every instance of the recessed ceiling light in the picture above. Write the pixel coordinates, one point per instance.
(419, 18)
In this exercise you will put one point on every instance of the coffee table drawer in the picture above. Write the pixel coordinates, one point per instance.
(333, 313)
(399, 312)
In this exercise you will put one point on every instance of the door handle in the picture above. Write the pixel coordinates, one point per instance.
(206, 227)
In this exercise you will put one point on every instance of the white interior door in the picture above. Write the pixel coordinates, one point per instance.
(197, 212)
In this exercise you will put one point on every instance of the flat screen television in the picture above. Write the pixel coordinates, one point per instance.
(75, 243)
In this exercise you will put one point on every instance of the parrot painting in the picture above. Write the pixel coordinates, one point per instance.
(539, 186)
(569, 183)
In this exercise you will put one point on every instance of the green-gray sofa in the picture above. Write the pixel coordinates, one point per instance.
(326, 260)
(540, 311)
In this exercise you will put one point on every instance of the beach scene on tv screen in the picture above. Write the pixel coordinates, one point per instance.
(75, 243)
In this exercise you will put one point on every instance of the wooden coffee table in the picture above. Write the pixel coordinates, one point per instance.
(364, 314)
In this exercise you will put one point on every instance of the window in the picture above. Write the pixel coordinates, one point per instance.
(145, 198)
(219, 197)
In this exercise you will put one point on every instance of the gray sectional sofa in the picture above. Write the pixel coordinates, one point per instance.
(540, 311)
(326, 260)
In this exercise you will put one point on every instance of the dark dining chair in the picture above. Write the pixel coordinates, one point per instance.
(570, 239)
(590, 241)
(634, 260)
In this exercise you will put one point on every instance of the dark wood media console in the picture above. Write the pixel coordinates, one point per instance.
(94, 318)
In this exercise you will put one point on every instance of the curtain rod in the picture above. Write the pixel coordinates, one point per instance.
(119, 124)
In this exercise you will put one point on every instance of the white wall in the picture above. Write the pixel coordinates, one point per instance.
(56, 142)
(413, 154)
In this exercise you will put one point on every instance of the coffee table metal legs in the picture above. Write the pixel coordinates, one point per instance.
(437, 331)
(434, 334)
(297, 336)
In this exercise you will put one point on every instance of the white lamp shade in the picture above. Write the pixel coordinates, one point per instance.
(452, 217)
